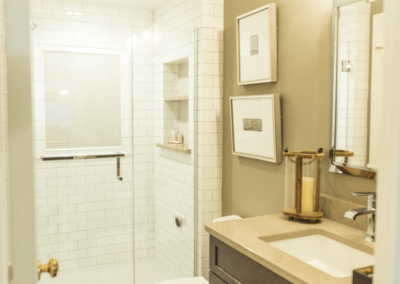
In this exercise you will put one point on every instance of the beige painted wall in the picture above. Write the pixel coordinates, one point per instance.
(252, 187)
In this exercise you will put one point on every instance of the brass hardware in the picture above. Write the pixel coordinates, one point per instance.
(366, 270)
(363, 275)
(51, 268)
(317, 206)
(299, 180)
(304, 154)
(342, 153)
(314, 216)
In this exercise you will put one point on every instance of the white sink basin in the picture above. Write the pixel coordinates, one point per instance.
(330, 256)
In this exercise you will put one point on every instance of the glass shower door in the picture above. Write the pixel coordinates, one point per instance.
(115, 200)
(82, 91)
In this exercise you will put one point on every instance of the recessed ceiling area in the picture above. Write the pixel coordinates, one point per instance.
(144, 4)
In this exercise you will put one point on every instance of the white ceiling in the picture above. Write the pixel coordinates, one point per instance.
(145, 4)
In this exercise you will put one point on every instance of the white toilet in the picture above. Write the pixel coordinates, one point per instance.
(227, 218)
(199, 280)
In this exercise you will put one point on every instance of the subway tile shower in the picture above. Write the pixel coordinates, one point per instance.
(98, 85)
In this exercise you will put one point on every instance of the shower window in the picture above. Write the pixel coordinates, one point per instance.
(81, 98)
(82, 109)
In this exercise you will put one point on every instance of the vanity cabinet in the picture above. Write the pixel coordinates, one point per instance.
(228, 266)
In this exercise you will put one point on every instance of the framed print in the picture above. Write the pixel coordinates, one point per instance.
(257, 46)
(256, 127)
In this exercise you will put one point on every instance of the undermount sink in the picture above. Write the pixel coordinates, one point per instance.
(330, 256)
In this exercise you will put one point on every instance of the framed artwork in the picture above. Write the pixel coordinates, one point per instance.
(256, 127)
(257, 46)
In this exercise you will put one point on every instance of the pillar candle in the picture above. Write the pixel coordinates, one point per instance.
(307, 201)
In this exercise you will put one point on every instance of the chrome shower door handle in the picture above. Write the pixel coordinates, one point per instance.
(119, 170)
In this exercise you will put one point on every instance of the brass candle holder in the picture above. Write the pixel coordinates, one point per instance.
(303, 185)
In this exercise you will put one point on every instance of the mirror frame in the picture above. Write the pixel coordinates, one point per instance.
(336, 167)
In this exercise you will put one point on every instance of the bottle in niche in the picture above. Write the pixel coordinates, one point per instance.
(180, 137)
(174, 138)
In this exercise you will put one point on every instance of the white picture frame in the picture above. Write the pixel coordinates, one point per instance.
(257, 55)
(256, 127)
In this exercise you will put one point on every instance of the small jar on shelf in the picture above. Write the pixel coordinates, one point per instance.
(180, 137)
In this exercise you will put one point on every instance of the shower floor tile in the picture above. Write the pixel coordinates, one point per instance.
(147, 272)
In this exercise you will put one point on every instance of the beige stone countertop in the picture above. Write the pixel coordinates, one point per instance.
(250, 236)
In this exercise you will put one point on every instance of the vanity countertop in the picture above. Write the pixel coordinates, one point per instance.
(250, 236)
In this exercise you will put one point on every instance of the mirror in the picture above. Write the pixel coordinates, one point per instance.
(359, 55)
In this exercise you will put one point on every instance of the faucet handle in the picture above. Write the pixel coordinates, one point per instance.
(371, 198)
(364, 194)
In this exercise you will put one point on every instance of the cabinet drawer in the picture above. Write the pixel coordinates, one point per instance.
(214, 279)
(235, 268)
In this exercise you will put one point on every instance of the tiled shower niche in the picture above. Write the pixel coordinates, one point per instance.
(176, 89)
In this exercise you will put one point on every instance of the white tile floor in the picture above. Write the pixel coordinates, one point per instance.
(147, 272)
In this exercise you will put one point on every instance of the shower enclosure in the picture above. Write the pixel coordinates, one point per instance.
(110, 86)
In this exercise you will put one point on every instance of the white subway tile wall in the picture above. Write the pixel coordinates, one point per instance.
(353, 87)
(175, 172)
(143, 141)
(207, 17)
(85, 216)
(4, 195)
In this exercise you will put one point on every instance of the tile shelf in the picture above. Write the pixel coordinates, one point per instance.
(176, 98)
(181, 148)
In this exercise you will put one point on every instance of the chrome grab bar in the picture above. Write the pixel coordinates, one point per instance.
(86, 157)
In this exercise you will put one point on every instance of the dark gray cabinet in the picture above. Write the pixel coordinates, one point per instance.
(215, 279)
(228, 266)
